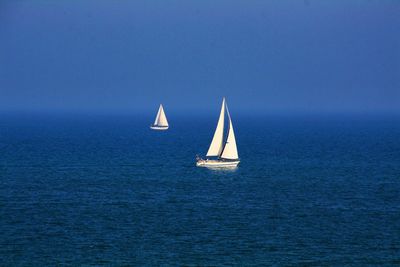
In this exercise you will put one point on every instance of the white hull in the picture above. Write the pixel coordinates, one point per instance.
(217, 163)
(159, 128)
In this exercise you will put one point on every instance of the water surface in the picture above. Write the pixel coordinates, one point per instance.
(106, 190)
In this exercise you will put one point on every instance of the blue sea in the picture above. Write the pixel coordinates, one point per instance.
(106, 190)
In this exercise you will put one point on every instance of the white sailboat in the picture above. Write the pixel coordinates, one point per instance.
(222, 151)
(161, 122)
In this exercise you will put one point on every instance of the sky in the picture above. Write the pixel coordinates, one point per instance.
(263, 56)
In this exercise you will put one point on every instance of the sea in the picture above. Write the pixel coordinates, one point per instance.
(105, 190)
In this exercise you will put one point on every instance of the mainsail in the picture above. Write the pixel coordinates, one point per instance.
(161, 119)
(224, 149)
(216, 145)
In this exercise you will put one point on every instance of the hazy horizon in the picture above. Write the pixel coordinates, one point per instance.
(288, 57)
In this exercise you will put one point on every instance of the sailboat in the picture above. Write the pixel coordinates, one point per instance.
(222, 151)
(160, 122)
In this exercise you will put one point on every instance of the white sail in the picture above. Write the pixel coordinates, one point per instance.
(230, 149)
(161, 119)
(158, 116)
(216, 146)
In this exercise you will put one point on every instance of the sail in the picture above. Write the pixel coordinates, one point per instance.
(216, 146)
(161, 119)
(158, 116)
(230, 149)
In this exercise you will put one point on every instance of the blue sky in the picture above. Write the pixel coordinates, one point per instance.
(268, 56)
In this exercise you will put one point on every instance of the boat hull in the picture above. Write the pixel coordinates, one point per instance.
(159, 128)
(217, 163)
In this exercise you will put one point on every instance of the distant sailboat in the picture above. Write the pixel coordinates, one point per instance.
(160, 122)
(224, 149)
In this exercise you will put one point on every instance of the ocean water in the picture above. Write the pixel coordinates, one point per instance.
(106, 190)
